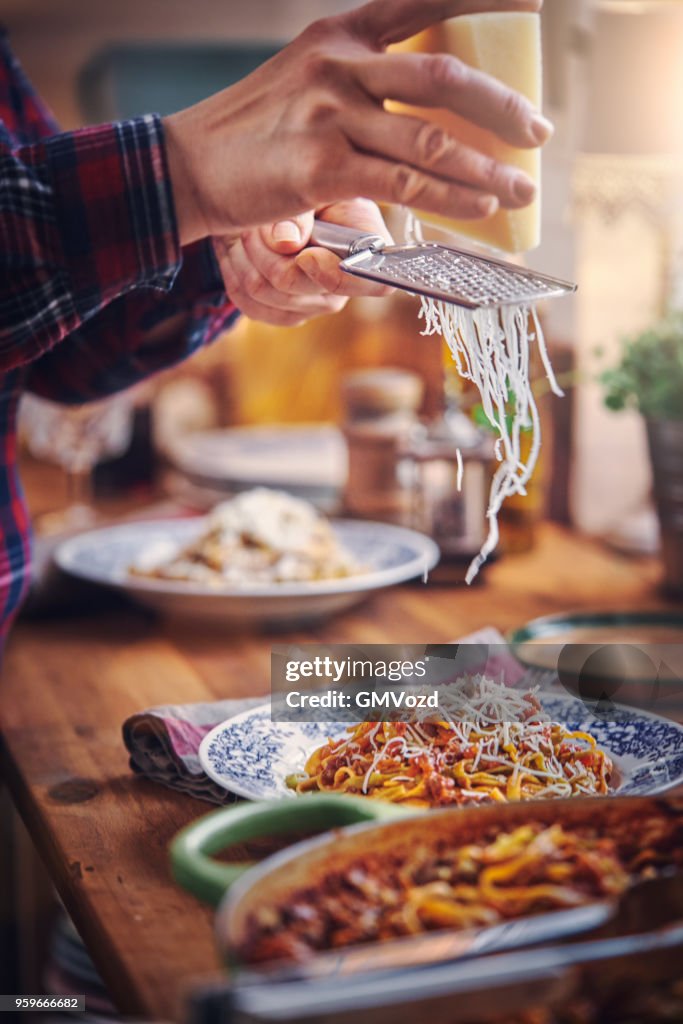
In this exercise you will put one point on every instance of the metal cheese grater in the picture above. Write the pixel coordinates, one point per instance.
(438, 271)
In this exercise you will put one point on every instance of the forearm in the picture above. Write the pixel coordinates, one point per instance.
(85, 219)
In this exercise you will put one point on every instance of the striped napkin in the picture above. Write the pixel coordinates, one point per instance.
(163, 742)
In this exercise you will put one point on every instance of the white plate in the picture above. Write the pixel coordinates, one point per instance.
(104, 556)
(251, 755)
(309, 461)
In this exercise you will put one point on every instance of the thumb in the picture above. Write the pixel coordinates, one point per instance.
(288, 236)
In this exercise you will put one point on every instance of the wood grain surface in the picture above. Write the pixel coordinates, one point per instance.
(103, 834)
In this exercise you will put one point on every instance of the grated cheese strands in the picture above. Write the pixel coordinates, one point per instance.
(491, 348)
(489, 741)
(412, 227)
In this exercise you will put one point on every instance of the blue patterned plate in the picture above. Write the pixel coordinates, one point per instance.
(251, 755)
(391, 554)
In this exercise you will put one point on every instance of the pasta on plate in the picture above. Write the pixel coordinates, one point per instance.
(260, 536)
(490, 743)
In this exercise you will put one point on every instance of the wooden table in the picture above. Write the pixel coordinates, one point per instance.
(103, 834)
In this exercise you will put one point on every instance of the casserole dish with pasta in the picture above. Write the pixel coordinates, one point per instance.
(458, 870)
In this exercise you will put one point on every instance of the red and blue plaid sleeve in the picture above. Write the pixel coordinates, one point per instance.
(89, 252)
(112, 351)
(86, 219)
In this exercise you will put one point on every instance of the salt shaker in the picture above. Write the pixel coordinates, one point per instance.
(380, 426)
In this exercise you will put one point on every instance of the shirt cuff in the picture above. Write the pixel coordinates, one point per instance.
(212, 312)
(114, 209)
(198, 288)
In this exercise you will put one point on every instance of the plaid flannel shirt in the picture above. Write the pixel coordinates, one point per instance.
(89, 263)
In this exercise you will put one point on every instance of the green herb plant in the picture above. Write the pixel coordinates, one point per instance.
(649, 377)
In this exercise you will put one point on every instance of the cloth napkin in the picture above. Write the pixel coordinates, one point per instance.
(163, 742)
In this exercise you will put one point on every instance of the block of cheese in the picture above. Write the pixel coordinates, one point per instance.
(506, 45)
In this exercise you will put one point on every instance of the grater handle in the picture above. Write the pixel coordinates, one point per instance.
(344, 241)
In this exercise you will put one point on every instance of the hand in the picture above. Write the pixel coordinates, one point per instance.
(308, 128)
(271, 276)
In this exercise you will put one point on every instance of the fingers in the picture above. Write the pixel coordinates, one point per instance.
(383, 22)
(258, 299)
(440, 154)
(288, 236)
(356, 213)
(322, 267)
(274, 277)
(245, 265)
(439, 80)
(256, 310)
(406, 185)
(280, 271)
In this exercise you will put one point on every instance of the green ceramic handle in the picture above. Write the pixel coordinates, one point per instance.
(191, 851)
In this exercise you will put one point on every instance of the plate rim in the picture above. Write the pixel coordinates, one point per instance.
(180, 455)
(210, 736)
(425, 557)
(559, 624)
(542, 625)
(267, 704)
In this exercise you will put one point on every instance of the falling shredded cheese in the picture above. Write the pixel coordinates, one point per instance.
(461, 469)
(491, 348)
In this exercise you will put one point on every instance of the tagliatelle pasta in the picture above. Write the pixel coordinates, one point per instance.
(490, 743)
(436, 884)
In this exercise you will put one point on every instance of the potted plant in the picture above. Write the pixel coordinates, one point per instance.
(649, 378)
